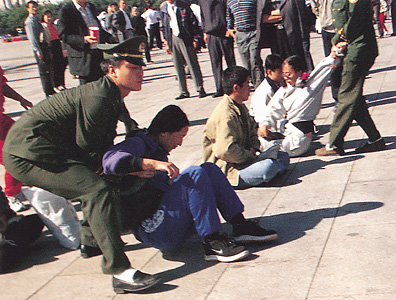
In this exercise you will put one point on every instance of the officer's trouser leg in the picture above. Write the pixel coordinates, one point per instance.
(77, 182)
(351, 103)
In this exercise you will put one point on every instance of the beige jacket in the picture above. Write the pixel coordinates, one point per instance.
(228, 137)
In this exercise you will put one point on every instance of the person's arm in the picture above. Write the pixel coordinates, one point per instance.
(359, 12)
(11, 93)
(126, 158)
(119, 21)
(273, 17)
(68, 27)
(227, 147)
(33, 36)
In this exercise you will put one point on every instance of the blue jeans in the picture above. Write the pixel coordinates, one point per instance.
(263, 170)
(190, 205)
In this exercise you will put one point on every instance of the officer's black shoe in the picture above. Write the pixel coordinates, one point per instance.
(88, 251)
(182, 96)
(139, 282)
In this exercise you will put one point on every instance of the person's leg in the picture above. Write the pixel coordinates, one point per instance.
(243, 49)
(178, 61)
(157, 35)
(190, 56)
(12, 186)
(263, 170)
(289, 144)
(256, 63)
(393, 13)
(227, 46)
(45, 73)
(349, 99)
(76, 181)
(216, 60)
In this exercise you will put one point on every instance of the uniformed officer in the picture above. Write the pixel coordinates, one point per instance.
(58, 146)
(355, 37)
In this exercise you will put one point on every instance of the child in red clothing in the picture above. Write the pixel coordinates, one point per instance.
(12, 186)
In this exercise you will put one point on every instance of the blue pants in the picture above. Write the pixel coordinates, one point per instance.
(263, 170)
(190, 205)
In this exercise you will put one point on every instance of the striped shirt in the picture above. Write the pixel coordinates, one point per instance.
(241, 14)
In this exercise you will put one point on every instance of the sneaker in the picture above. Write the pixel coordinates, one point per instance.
(378, 145)
(224, 249)
(251, 231)
(15, 202)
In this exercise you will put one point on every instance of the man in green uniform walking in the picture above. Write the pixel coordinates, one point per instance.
(58, 146)
(355, 37)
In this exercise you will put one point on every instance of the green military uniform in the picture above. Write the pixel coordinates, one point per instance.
(58, 146)
(353, 24)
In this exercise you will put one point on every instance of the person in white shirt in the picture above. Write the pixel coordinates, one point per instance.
(152, 18)
(268, 87)
(294, 107)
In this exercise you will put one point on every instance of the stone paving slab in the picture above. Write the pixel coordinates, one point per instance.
(334, 215)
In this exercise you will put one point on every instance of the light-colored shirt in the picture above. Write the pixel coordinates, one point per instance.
(299, 103)
(322, 9)
(33, 30)
(196, 9)
(151, 16)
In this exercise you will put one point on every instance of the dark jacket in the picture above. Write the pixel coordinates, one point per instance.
(186, 20)
(77, 125)
(72, 29)
(119, 21)
(214, 17)
(139, 25)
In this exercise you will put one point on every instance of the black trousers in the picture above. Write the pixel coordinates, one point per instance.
(220, 47)
(44, 67)
(154, 32)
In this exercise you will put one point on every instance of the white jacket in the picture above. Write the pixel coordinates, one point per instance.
(301, 102)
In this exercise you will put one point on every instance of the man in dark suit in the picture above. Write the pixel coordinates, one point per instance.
(84, 58)
(122, 22)
(180, 32)
(214, 26)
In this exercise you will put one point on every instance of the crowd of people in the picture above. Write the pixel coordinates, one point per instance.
(65, 144)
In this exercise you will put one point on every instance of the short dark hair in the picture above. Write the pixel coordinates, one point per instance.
(46, 13)
(169, 119)
(234, 75)
(296, 62)
(31, 2)
(273, 62)
(114, 3)
(104, 65)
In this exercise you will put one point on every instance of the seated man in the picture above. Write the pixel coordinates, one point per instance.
(230, 138)
(294, 107)
(164, 207)
(268, 87)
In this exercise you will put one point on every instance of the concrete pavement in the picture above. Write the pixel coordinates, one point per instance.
(335, 216)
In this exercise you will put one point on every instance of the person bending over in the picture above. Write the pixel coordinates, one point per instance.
(164, 207)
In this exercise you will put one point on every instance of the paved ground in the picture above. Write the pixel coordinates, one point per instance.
(334, 216)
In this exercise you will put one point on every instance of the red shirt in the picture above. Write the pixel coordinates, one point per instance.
(3, 82)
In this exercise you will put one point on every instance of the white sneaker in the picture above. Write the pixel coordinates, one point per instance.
(15, 202)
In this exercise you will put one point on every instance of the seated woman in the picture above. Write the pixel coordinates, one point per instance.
(168, 207)
(294, 107)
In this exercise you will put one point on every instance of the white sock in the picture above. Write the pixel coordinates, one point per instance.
(127, 275)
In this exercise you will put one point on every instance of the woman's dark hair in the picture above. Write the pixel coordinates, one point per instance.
(169, 119)
(46, 13)
(234, 75)
(296, 62)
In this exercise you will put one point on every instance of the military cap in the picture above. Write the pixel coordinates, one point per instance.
(130, 50)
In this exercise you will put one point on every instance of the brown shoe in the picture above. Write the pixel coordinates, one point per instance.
(324, 151)
(376, 146)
